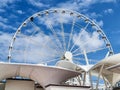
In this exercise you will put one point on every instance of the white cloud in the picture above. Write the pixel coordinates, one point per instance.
(108, 1)
(69, 5)
(56, 19)
(94, 15)
(6, 2)
(108, 11)
(37, 3)
(2, 10)
(2, 19)
(36, 49)
(88, 41)
(90, 2)
(6, 26)
(4, 44)
(20, 12)
(100, 23)
(82, 5)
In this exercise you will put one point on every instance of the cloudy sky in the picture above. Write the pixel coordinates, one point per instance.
(106, 13)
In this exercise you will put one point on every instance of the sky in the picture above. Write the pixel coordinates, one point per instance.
(106, 13)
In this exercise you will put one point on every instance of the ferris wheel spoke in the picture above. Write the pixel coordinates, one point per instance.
(74, 58)
(76, 40)
(90, 51)
(25, 55)
(50, 55)
(39, 29)
(86, 25)
(91, 61)
(48, 61)
(30, 38)
(55, 35)
(36, 28)
(79, 48)
(18, 51)
(55, 53)
(78, 60)
(76, 50)
(83, 29)
(22, 51)
(28, 45)
(38, 43)
(71, 33)
(63, 35)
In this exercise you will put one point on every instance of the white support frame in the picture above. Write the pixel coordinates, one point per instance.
(97, 84)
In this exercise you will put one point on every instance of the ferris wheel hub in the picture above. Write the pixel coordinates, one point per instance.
(68, 55)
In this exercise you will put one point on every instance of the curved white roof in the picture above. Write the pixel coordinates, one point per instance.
(115, 68)
(112, 77)
(70, 65)
(44, 75)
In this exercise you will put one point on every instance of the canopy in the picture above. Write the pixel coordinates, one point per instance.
(44, 75)
(111, 76)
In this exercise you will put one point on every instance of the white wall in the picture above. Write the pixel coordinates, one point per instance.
(2, 86)
(39, 89)
(19, 85)
(65, 88)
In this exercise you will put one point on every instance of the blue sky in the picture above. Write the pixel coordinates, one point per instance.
(13, 12)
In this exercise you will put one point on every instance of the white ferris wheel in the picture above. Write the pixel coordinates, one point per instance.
(52, 35)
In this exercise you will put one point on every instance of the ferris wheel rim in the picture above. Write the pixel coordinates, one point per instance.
(71, 12)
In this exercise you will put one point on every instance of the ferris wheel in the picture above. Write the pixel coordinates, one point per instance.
(59, 34)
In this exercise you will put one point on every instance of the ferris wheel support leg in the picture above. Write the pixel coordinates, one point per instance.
(99, 76)
(109, 86)
(90, 76)
(79, 79)
(84, 78)
(104, 82)
(86, 58)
